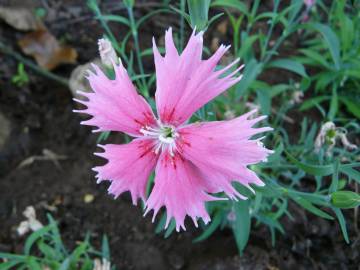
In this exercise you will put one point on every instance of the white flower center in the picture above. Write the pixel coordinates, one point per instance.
(165, 136)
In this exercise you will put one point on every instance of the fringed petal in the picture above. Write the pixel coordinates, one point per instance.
(114, 104)
(185, 82)
(180, 189)
(222, 150)
(128, 168)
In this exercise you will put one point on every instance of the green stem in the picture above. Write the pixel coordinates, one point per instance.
(33, 66)
(182, 25)
(137, 49)
(108, 31)
(287, 31)
(269, 34)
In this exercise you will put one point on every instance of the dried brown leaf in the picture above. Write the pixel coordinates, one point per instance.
(20, 18)
(46, 50)
(222, 27)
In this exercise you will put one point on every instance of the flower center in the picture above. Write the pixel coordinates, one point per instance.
(165, 136)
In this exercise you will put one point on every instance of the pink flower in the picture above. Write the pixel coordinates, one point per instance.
(191, 161)
(309, 3)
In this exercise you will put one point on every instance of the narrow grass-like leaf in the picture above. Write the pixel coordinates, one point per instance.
(171, 228)
(35, 236)
(334, 104)
(241, 225)
(311, 102)
(33, 264)
(236, 4)
(116, 18)
(105, 249)
(209, 230)
(335, 177)
(9, 265)
(351, 106)
(331, 40)
(342, 223)
(290, 65)
(351, 173)
(311, 208)
(252, 70)
(65, 264)
(321, 170)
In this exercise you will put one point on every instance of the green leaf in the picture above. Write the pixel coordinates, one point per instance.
(252, 70)
(103, 136)
(236, 4)
(79, 251)
(351, 106)
(209, 230)
(8, 265)
(342, 223)
(160, 226)
(30, 241)
(311, 208)
(321, 170)
(56, 238)
(198, 11)
(148, 15)
(309, 103)
(48, 251)
(350, 172)
(335, 177)
(264, 100)
(171, 228)
(331, 41)
(116, 18)
(246, 46)
(242, 223)
(105, 250)
(290, 65)
(10, 256)
(334, 104)
(33, 264)
(65, 264)
(315, 56)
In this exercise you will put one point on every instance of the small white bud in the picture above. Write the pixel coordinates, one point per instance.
(107, 53)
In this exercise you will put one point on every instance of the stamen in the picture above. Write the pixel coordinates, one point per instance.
(164, 135)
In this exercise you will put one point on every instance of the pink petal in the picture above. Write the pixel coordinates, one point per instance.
(128, 168)
(115, 104)
(180, 189)
(221, 150)
(185, 82)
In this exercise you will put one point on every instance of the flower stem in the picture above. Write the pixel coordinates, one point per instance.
(4, 49)
(182, 25)
(137, 49)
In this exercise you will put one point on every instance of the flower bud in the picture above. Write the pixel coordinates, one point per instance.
(107, 53)
(345, 199)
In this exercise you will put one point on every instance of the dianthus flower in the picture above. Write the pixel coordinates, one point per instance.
(191, 161)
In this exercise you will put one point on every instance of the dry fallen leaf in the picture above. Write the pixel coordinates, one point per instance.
(47, 155)
(222, 27)
(46, 50)
(20, 18)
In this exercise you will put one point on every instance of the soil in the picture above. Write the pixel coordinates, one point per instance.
(41, 118)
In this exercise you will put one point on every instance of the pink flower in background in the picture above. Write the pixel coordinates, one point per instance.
(191, 161)
(309, 3)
